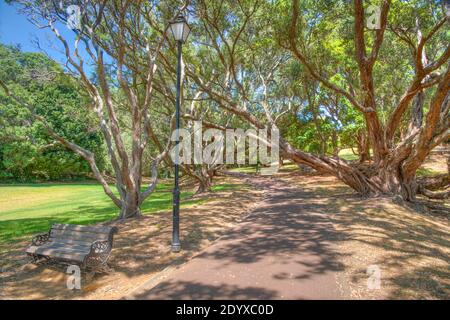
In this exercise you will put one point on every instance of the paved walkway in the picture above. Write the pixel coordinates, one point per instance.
(282, 250)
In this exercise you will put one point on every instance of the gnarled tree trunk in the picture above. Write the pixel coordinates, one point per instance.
(130, 205)
(204, 185)
(363, 146)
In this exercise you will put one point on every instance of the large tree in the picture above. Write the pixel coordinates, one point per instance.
(364, 69)
(396, 158)
(114, 39)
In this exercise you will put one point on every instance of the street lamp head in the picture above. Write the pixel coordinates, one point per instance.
(180, 29)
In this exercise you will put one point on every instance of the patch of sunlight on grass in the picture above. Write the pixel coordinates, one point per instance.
(427, 172)
(347, 154)
(228, 186)
(288, 167)
(247, 169)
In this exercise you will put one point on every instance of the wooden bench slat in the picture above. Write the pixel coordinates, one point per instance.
(51, 248)
(70, 256)
(81, 236)
(62, 253)
(69, 242)
(68, 247)
(58, 246)
(31, 249)
(80, 228)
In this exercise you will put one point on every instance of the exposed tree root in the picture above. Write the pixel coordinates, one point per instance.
(445, 194)
(435, 182)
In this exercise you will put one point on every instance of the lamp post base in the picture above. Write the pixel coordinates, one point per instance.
(176, 247)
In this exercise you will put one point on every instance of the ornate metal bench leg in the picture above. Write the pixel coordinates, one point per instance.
(37, 259)
(34, 258)
(39, 240)
(106, 268)
(98, 257)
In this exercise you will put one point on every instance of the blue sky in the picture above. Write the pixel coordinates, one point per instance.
(16, 29)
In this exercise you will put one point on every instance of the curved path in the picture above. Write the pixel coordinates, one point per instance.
(283, 249)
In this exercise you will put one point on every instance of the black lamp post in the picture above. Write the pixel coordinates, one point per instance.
(180, 31)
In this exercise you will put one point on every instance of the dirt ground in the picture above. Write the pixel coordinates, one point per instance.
(436, 162)
(141, 250)
(407, 245)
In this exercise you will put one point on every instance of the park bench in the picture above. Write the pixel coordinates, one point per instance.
(86, 246)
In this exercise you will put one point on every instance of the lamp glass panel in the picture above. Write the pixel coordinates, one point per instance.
(177, 30)
(186, 31)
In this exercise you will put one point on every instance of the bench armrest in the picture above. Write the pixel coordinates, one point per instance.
(99, 254)
(40, 239)
(100, 247)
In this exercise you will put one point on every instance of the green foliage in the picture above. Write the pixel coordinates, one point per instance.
(26, 151)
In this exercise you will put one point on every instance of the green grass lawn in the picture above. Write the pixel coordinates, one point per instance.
(251, 169)
(244, 169)
(289, 166)
(347, 154)
(27, 209)
(427, 172)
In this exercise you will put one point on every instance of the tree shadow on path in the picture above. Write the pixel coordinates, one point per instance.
(283, 249)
